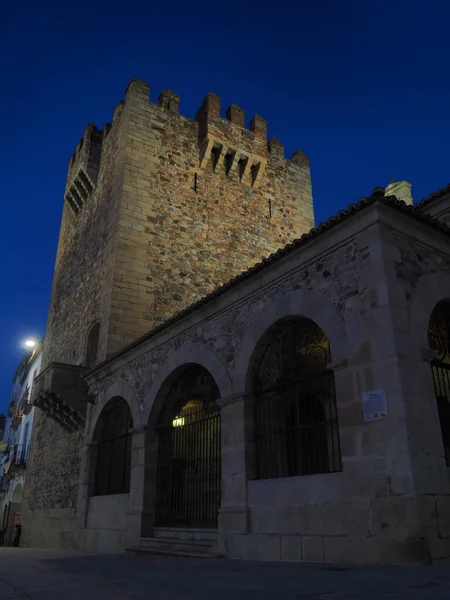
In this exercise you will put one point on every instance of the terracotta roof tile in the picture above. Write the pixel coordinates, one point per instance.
(434, 196)
(377, 196)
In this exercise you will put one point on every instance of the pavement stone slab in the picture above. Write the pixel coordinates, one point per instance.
(56, 575)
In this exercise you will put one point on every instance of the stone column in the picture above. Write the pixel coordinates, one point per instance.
(136, 495)
(347, 406)
(237, 467)
(391, 447)
(86, 483)
(150, 481)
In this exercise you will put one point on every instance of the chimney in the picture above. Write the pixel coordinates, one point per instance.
(400, 189)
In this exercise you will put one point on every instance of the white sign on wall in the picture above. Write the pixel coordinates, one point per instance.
(374, 404)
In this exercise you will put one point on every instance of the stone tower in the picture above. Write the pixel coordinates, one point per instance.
(159, 210)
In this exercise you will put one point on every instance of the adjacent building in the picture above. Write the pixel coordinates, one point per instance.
(15, 444)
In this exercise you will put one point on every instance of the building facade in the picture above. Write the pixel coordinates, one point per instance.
(158, 210)
(298, 411)
(15, 446)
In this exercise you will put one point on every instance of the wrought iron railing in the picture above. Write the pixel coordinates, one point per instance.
(441, 378)
(23, 400)
(19, 454)
(296, 429)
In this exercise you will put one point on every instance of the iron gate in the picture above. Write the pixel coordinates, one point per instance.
(189, 465)
(441, 378)
(439, 341)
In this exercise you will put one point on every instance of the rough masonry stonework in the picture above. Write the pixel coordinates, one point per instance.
(170, 259)
(159, 209)
(385, 506)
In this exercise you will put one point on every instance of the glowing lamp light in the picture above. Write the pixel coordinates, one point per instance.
(178, 422)
(30, 343)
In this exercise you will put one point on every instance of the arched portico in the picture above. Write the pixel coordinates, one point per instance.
(119, 388)
(130, 488)
(294, 402)
(299, 303)
(189, 354)
(188, 470)
(429, 291)
(239, 455)
(182, 450)
(428, 330)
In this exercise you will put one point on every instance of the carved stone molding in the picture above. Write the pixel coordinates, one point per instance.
(253, 166)
(336, 365)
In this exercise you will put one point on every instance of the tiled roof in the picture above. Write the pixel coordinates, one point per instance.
(434, 196)
(377, 196)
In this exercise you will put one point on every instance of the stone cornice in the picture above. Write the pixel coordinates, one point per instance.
(336, 365)
(233, 399)
(239, 508)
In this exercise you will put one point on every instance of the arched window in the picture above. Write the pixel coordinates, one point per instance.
(112, 475)
(92, 344)
(439, 340)
(296, 426)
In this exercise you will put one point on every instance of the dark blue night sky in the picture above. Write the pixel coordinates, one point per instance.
(362, 87)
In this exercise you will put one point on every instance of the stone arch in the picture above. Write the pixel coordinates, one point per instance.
(189, 354)
(430, 290)
(294, 409)
(301, 303)
(119, 388)
(17, 494)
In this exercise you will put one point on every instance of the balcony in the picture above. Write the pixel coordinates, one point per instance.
(61, 392)
(11, 408)
(24, 405)
(16, 421)
(17, 459)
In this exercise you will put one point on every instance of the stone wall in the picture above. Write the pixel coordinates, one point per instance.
(422, 280)
(153, 219)
(106, 525)
(336, 276)
(188, 220)
(350, 282)
(80, 296)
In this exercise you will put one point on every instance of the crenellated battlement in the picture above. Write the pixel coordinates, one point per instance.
(225, 144)
(84, 165)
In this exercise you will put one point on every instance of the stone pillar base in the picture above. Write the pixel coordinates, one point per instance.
(232, 520)
(147, 523)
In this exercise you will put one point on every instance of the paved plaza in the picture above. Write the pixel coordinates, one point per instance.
(55, 575)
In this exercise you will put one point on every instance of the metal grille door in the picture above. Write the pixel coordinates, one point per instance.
(189, 465)
(441, 377)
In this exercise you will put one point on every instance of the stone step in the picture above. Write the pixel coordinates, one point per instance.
(185, 533)
(138, 550)
(176, 547)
